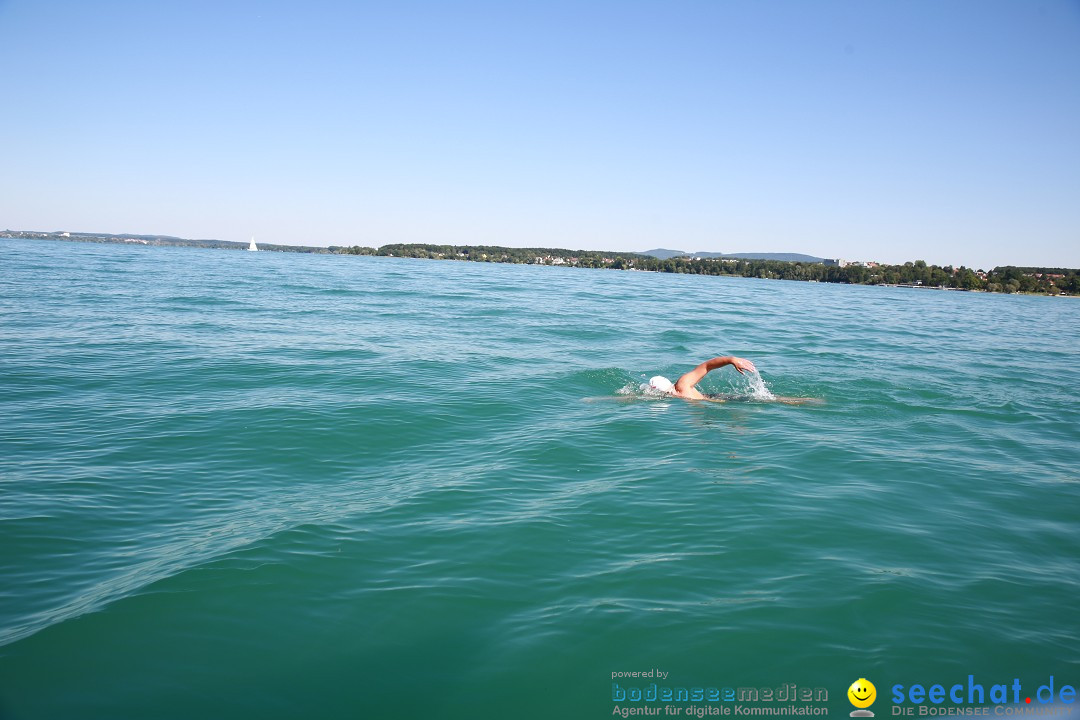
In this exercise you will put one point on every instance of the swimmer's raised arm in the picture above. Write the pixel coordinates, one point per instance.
(685, 385)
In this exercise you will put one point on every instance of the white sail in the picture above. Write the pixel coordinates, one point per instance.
(252, 247)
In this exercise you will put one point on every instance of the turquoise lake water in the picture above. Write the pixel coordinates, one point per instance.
(261, 485)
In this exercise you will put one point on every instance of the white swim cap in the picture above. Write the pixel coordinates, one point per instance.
(662, 384)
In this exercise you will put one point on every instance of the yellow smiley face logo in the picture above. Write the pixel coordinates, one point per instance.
(862, 693)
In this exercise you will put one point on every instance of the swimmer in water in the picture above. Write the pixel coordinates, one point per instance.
(684, 386)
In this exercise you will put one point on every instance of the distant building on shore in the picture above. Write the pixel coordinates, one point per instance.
(837, 262)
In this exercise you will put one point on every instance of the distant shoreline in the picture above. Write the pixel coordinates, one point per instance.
(1057, 282)
(155, 240)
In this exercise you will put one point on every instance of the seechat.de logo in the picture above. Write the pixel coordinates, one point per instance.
(862, 695)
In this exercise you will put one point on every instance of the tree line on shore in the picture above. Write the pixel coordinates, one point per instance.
(1007, 279)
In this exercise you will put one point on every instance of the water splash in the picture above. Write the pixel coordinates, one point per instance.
(758, 389)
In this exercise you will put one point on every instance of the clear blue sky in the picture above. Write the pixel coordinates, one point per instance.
(940, 130)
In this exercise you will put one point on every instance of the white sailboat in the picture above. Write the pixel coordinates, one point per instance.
(253, 247)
